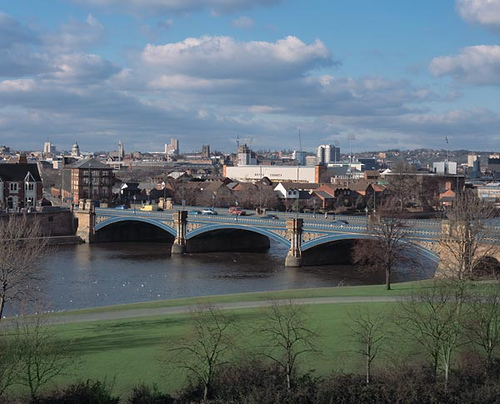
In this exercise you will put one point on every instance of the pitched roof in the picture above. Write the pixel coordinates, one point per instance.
(89, 164)
(17, 172)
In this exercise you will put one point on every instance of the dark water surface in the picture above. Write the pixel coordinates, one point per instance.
(80, 276)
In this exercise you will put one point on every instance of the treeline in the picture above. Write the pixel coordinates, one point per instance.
(437, 345)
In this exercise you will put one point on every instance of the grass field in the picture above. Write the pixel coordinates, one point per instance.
(127, 352)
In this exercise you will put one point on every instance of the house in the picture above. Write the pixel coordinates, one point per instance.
(447, 195)
(292, 190)
(20, 185)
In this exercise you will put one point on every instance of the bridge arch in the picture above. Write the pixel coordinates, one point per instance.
(236, 226)
(114, 220)
(421, 249)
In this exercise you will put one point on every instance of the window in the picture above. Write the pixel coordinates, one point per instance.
(13, 187)
(29, 186)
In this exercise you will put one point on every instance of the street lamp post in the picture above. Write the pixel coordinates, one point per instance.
(134, 202)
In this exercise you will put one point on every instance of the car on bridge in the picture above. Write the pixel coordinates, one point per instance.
(234, 210)
(121, 207)
(271, 217)
(194, 212)
(208, 211)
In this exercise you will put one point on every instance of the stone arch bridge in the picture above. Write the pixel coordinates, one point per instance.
(297, 234)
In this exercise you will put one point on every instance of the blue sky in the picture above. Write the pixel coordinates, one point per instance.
(397, 74)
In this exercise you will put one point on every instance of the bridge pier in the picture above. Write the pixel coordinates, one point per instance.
(180, 223)
(294, 256)
(86, 220)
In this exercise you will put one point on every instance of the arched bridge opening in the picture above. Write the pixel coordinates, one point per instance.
(227, 240)
(338, 252)
(486, 267)
(340, 249)
(132, 230)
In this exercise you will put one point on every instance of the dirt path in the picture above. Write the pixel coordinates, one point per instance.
(138, 313)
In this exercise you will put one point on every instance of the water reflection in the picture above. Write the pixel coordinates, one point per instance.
(85, 275)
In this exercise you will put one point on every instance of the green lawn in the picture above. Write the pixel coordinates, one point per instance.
(128, 352)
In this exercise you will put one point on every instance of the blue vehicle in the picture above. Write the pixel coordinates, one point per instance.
(194, 212)
(121, 207)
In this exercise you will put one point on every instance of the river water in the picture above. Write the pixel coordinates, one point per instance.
(80, 276)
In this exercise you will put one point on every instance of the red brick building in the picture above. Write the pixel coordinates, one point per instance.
(87, 179)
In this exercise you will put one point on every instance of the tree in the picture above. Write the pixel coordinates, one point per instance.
(39, 354)
(7, 365)
(467, 240)
(205, 347)
(433, 317)
(287, 336)
(402, 184)
(388, 247)
(482, 324)
(21, 250)
(370, 332)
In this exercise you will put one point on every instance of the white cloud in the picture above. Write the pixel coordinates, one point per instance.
(483, 12)
(242, 22)
(166, 6)
(225, 58)
(83, 68)
(473, 65)
(76, 35)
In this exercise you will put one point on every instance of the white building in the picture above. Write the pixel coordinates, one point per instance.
(172, 149)
(328, 154)
(445, 167)
(252, 173)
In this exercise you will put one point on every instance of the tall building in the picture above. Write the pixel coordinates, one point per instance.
(328, 154)
(299, 157)
(48, 149)
(205, 151)
(245, 156)
(172, 149)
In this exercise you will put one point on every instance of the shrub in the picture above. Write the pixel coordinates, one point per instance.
(89, 392)
(144, 394)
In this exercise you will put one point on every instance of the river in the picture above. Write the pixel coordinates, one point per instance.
(81, 276)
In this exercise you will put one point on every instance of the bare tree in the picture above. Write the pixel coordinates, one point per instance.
(468, 240)
(287, 335)
(370, 332)
(389, 247)
(39, 354)
(402, 184)
(21, 250)
(7, 365)
(482, 324)
(205, 347)
(433, 317)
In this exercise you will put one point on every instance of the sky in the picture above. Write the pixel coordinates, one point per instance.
(275, 74)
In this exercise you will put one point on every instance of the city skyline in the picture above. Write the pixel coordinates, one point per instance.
(396, 75)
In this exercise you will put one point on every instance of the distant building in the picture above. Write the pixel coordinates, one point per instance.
(20, 185)
(252, 173)
(245, 156)
(75, 150)
(471, 158)
(494, 163)
(444, 167)
(205, 151)
(172, 149)
(328, 154)
(48, 149)
(299, 157)
(87, 179)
